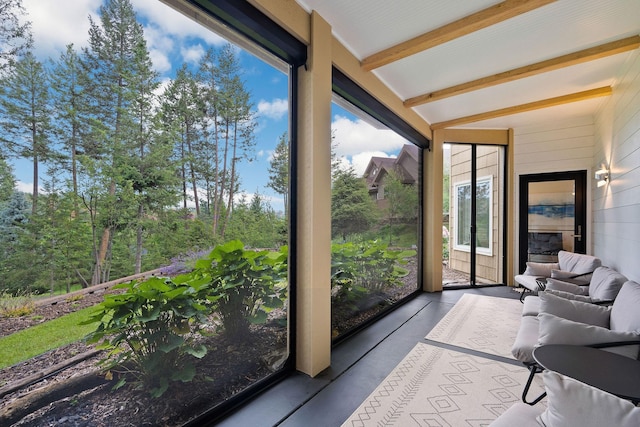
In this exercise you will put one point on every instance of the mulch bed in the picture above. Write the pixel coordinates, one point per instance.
(228, 368)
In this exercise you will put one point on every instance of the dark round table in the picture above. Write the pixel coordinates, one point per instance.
(604, 370)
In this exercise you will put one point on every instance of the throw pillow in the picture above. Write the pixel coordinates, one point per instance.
(541, 269)
(568, 295)
(556, 330)
(625, 315)
(572, 403)
(605, 284)
(577, 311)
(569, 276)
(559, 285)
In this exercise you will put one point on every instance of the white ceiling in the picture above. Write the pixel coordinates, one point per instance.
(366, 27)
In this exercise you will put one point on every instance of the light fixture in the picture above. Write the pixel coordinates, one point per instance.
(602, 176)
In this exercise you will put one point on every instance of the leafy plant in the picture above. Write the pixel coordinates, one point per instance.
(359, 268)
(245, 284)
(151, 330)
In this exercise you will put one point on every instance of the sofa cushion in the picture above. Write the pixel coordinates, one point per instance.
(625, 312)
(540, 269)
(519, 414)
(531, 306)
(577, 263)
(526, 339)
(605, 284)
(559, 285)
(556, 330)
(568, 295)
(569, 276)
(577, 311)
(572, 403)
(529, 282)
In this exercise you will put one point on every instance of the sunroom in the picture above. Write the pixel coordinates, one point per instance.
(514, 107)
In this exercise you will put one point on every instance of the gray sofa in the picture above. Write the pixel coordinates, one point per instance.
(573, 267)
(565, 321)
(568, 321)
(603, 289)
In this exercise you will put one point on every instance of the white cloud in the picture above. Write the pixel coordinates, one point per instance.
(192, 54)
(172, 22)
(357, 141)
(275, 109)
(56, 24)
(24, 187)
(354, 137)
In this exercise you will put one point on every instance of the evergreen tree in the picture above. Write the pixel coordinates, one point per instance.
(25, 115)
(209, 151)
(352, 210)
(67, 88)
(7, 181)
(14, 219)
(151, 176)
(182, 111)
(279, 170)
(112, 62)
(237, 124)
(15, 36)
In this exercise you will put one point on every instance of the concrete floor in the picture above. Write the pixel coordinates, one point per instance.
(358, 365)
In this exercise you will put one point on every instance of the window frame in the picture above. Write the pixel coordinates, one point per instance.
(488, 251)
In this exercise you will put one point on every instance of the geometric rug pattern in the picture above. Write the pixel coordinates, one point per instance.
(482, 323)
(437, 387)
(433, 386)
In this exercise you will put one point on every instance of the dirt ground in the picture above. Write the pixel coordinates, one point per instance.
(240, 364)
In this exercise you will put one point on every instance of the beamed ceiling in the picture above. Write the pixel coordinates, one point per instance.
(489, 64)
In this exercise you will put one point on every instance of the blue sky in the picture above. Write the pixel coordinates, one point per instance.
(173, 39)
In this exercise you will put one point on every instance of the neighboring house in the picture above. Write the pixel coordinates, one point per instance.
(405, 165)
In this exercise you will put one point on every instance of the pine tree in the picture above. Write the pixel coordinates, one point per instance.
(238, 125)
(112, 63)
(15, 36)
(352, 210)
(279, 171)
(67, 86)
(151, 176)
(182, 109)
(7, 181)
(25, 115)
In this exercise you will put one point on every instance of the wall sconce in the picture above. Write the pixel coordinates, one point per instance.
(602, 176)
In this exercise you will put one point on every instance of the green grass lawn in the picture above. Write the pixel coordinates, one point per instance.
(46, 336)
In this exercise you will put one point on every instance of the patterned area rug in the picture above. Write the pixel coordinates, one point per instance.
(434, 387)
(482, 323)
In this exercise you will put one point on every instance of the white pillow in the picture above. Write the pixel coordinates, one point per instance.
(559, 285)
(541, 269)
(572, 403)
(568, 295)
(556, 330)
(577, 311)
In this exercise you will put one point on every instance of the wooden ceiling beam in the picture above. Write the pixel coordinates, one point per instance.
(469, 24)
(537, 105)
(586, 55)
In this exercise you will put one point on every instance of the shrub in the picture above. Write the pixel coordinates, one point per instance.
(150, 330)
(16, 306)
(244, 284)
(359, 268)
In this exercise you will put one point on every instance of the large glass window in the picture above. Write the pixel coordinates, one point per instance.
(374, 213)
(484, 204)
(144, 203)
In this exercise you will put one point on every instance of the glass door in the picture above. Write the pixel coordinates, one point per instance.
(552, 216)
(473, 235)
